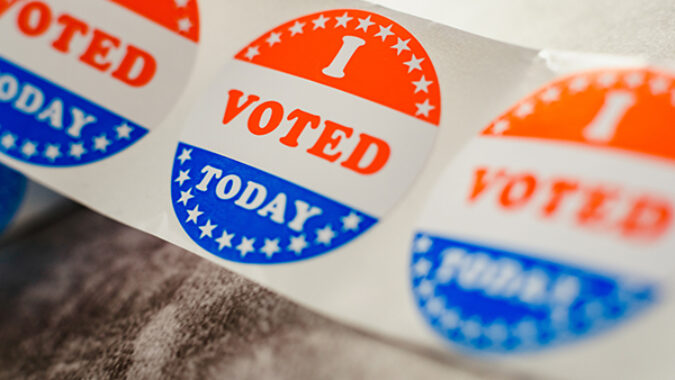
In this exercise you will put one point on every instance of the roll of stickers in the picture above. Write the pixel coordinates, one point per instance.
(309, 153)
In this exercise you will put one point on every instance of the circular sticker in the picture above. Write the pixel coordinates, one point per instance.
(310, 135)
(82, 80)
(12, 188)
(557, 221)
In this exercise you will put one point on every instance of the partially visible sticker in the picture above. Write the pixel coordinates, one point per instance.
(557, 221)
(308, 137)
(82, 80)
(12, 189)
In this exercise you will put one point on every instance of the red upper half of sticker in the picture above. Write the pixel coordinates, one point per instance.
(179, 16)
(632, 110)
(358, 52)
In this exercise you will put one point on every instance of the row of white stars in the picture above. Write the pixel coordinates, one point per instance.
(184, 24)
(271, 246)
(657, 86)
(401, 45)
(472, 328)
(436, 307)
(51, 152)
(450, 319)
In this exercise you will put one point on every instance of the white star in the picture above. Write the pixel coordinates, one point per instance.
(450, 319)
(423, 244)
(497, 332)
(252, 52)
(434, 306)
(296, 28)
(184, 24)
(181, 3)
(421, 267)
(101, 143)
(320, 22)
(193, 215)
(77, 150)
(298, 243)
(52, 152)
(578, 84)
(325, 235)
(524, 110)
(246, 246)
(225, 240)
(425, 289)
(607, 79)
(8, 140)
(270, 248)
(182, 177)
(384, 32)
(351, 222)
(471, 329)
(274, 38)
(207, 229)
(635, 79)
(401, 45)
(343, 20)
(526, 329)
(500, 127)
(424, 108)
(422, 85)
(29, 149)
(185, 155)
(185, 197)
(550, 95)
(658, 85)
(124, 131)
(364, 23)
(414, 64)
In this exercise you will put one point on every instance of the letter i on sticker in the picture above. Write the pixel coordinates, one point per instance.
(556, 223)
(308, 137)
(83, 80)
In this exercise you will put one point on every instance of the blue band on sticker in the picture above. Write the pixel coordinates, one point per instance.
(12, 189)
(243, 214)
(484, 299)
(45, 124)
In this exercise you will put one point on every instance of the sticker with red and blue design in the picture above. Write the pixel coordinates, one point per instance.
(309, 135)
(556, 223)
(12, 189)
(83, 80)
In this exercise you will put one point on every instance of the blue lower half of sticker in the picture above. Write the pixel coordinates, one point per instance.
(243, 214)
(45, 124)
(12, 189)
(488, 300)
